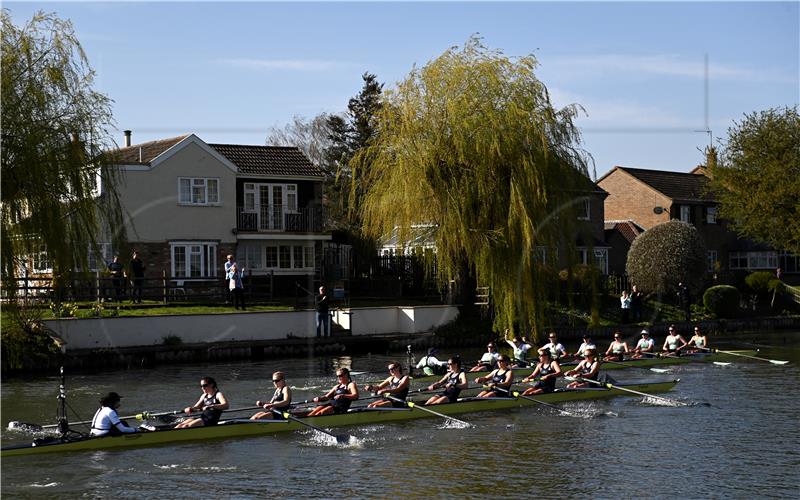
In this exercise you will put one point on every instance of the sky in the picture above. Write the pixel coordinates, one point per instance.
(228, 72)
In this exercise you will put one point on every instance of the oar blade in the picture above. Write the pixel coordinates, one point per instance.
(777, 362)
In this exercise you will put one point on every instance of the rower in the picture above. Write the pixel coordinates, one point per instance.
(520, 347)
(617, 349)
(645, 345)
(555, 347)
(698, 342)
(453, 382)
(587, 344)
(282, 398)
(673, 343)
(395, 384)
(339, 397)
(499, 380)
(211, 403)
(588, 368)
(547, 371)
(489, 359)
(106, 422)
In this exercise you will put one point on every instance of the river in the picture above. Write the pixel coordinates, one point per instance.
(739, 438)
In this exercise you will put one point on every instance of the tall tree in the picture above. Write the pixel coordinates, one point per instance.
(55, 129)
(472, 144)
(757, 178)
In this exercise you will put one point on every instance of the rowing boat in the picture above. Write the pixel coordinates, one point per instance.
(239, 428)
(703, 357)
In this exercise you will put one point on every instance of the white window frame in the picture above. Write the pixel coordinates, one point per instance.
(711, 215)
(754, 260)
(251, 257)
(711, 261)
(686, 213)
(40, 261)
(206, 251)
(305, 252)
(201, 183)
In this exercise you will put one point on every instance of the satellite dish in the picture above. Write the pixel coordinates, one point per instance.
(658, 210)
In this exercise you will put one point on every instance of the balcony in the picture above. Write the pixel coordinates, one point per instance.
(279, 219)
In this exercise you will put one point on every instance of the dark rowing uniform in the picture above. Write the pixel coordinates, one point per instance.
(452, 392)
(340, 405)
(497, 379)
(587, 369)
(548, 385)
(394, 384)
(211, 416)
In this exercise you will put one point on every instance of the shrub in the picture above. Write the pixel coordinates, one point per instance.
(665, 255)
(758, 281)
(722, 301)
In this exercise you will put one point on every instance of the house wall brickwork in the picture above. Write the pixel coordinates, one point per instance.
(629, 198)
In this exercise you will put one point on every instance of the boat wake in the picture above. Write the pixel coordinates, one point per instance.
(193, 468)
(21, 429)
(586, 411)
(454, 424)
(661, 402)
(322, 439)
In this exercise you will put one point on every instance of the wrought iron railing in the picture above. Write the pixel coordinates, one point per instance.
(279, 218)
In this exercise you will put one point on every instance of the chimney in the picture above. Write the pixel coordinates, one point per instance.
(127, 138)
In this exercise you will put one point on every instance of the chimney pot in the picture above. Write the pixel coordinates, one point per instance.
(127, 138)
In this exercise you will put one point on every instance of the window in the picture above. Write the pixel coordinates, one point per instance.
(272, 257)
(583, 209)
(198, 191)
(193, 259)
(711, 261)
(753, 260)
(289, 257)
(285, 253)
(686, 213)
(291, 197)
(297, 254)
(599, 258)
(250, 257)
(789, 263)
(711, 215)
(250, 197)
(98, 260)
(41, 261)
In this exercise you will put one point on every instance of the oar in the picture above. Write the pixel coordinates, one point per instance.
(773, 361)
(612, 386)
(146, 414)
(412, 405)
(657, 370)
(340, 438)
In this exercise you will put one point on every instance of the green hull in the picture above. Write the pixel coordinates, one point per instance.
(519, 373)
(239, 428)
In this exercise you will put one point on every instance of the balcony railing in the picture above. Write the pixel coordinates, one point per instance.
(279, 218)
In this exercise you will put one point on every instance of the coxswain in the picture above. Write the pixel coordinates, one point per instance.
(339, 398)
(547, 371)
(211, 404)
(106, 422)
(395, 385)
(430, 364)
(498, 382)
(453, 382)
(673, 343)
(588, 369)
(281, 399)
(617, 349)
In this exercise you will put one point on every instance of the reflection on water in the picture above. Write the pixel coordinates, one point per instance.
(737, 439)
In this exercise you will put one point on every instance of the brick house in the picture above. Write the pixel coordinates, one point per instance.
(650, 197)
(188, 204)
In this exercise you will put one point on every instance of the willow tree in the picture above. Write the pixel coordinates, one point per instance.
(53, 135)
(472, 144)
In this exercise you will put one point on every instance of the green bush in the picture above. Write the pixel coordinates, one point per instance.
(758, 281)
(722, 301)
(776, 286)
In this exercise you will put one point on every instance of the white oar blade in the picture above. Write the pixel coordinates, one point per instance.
(721, 363)
(659, 370)
(777, 362)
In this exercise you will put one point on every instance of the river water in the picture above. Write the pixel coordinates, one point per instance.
(739, 438)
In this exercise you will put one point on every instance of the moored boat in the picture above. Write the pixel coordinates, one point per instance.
(239, 428)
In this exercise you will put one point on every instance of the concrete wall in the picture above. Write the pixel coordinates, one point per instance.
(110, 333)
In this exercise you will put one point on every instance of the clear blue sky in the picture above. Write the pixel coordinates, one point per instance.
(229, 72)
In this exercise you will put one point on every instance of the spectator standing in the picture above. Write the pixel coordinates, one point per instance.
(323, 319)
(137, 273)
(685, 300)
(236, 286)
(117, 276)
(228, 265)
(637, 300)
(625, 306)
